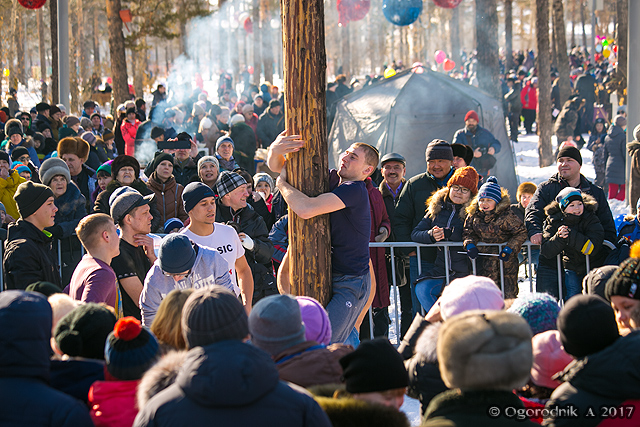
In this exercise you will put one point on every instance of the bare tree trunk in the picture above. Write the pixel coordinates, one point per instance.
(573, 24)
(257, 43)
(53, 24)
(346, 50)
(96, 42)
(508, 33)
(622, 10)
(560, 42)
(267, 48)
(582, 21)
(117, 53)
(137, 53)
(83, 57)
(454, 28)
(74, 46)
(307, 170)
(487, 47)
(41, 51)
(544, 84)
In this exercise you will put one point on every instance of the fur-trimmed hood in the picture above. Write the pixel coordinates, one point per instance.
(436, 203)
(504, 204)
(347, 411)
(427, 343)
(159, 376)
(590, 205)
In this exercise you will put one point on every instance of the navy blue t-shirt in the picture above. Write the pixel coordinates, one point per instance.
(350, 227)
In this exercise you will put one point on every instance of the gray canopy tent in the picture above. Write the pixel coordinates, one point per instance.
(404, 113)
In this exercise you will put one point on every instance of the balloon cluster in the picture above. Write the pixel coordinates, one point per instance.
(441, 58)
(352, 10)
(605, 47)
(402, 12)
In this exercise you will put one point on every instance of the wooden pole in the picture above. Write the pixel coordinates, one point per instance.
(305, 66)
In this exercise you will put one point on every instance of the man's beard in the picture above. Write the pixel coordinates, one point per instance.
(472, 128)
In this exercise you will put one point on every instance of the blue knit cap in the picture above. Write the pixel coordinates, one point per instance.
(491, 190)
(224, 138)
(172, 224)
(540, 310)
(176, 254)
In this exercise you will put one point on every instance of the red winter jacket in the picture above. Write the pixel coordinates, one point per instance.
(379, 218)
(113, 403)
(529, 97)
(129, 131)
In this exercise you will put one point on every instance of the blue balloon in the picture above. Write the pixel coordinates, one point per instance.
(402, 12)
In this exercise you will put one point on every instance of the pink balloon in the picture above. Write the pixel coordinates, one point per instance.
(440, 56)
(448, 65)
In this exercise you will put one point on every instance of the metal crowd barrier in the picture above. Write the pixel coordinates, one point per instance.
(447, 245)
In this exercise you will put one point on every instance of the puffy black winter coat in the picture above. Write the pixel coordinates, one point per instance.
(607, 378)
(410, 209)
(443, 213)
(585, 236)
(547, 192)
(28, 257)
(252, 224)
(230, 383)
(71, 209)
(27, 399)
(418, 348)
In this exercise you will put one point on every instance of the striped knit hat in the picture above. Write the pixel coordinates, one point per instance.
(491, 190)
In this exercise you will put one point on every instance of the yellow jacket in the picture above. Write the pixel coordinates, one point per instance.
(8, 188)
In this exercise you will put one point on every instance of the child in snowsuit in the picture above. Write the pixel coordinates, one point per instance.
(573, 229)
(491, 220)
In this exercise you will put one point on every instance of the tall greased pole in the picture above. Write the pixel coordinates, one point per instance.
(307, 170)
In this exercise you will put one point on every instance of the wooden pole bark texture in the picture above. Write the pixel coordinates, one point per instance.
(307, 170)
(544, 84)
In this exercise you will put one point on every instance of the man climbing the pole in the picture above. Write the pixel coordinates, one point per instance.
(348, 206)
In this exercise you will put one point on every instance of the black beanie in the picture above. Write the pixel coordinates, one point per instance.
(587, 325)
(625, 280)
(45, 288)
(18, 152)
(569, 151)
(159, 158)
(5, 156)
(374, 366)
(30, 197)
(84, 331)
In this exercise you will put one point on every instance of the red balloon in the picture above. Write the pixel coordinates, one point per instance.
(248, 25)
(352, 10)
(448, 65)
(32, 4)
(447, 4)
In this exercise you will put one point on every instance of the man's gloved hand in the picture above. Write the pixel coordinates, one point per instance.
(384, 235)
(247, 241)
(472, 251)
(505, 253)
